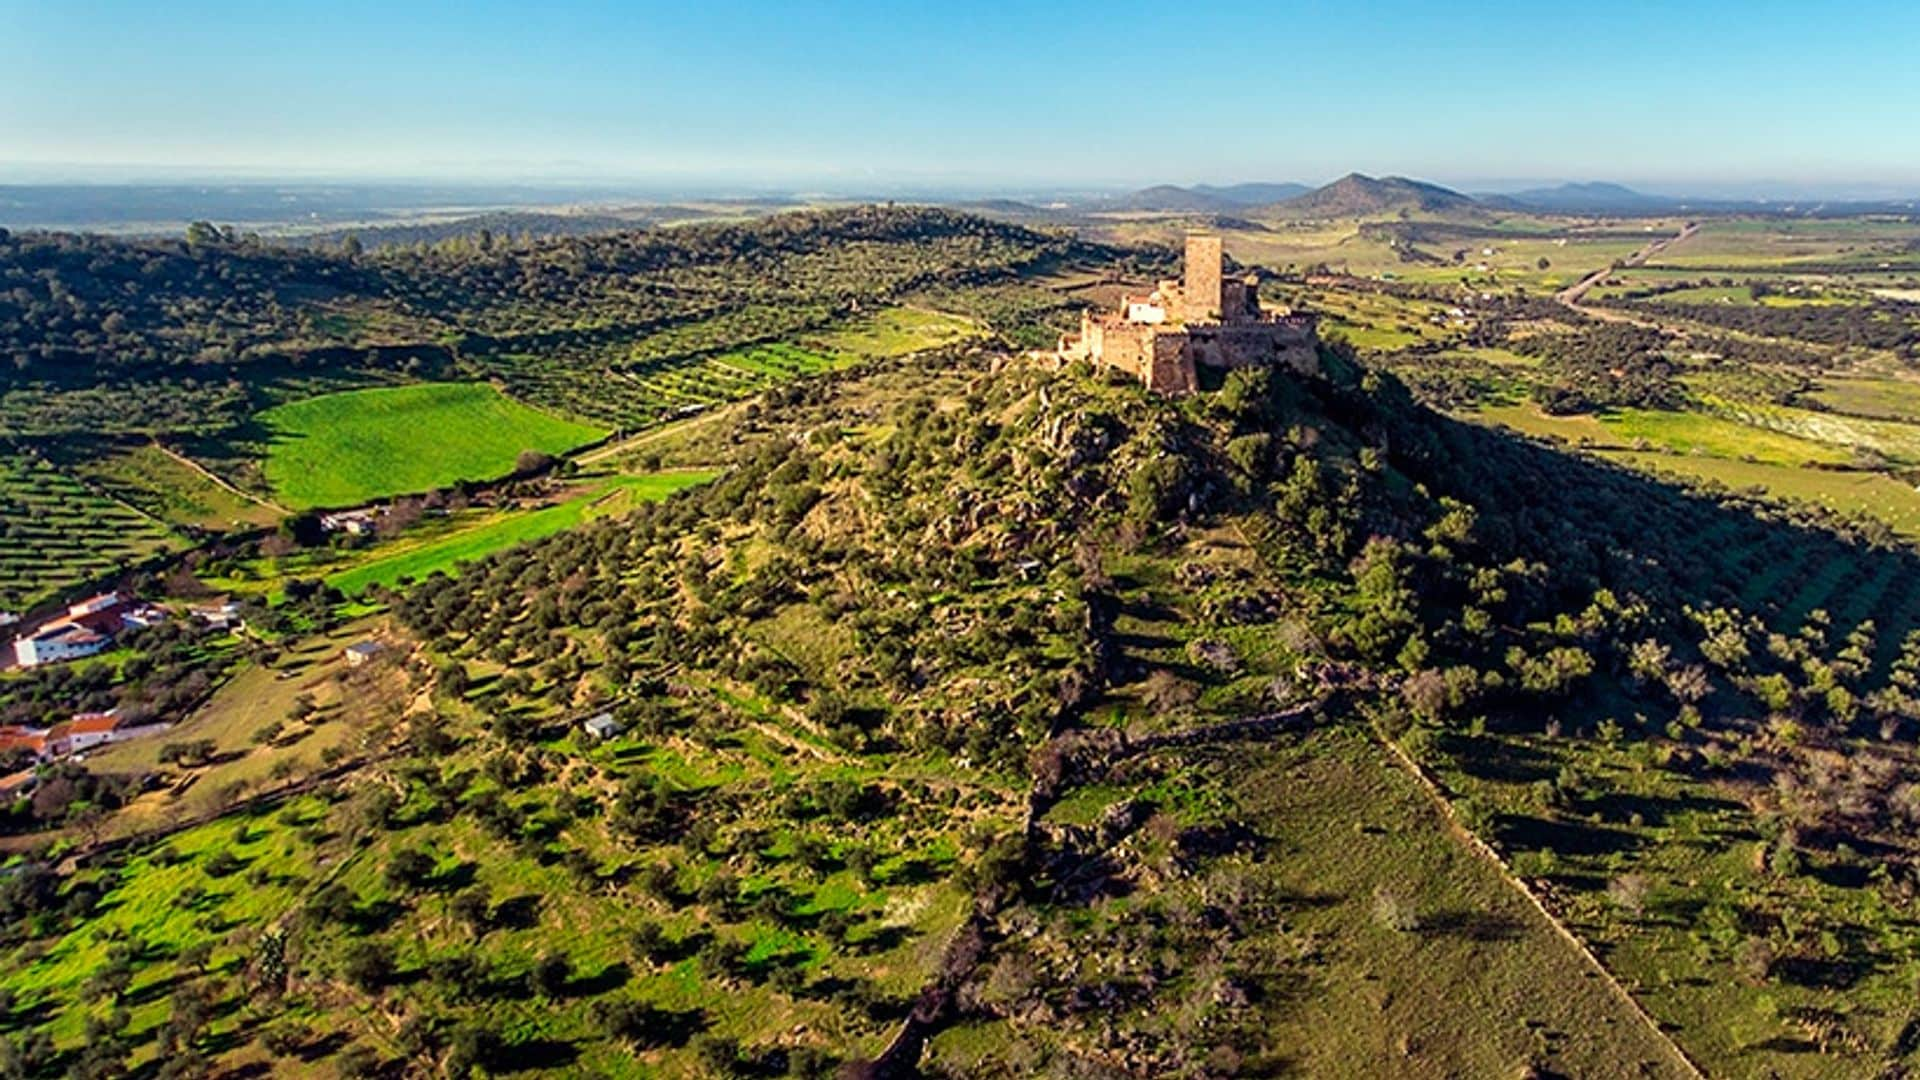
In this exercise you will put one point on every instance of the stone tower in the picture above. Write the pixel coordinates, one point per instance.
(1201, 292)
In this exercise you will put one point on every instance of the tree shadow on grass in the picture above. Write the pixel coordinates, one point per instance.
(606, 980)
(535, 1055)
(517, 912)
(1518, 832)
(1471, 925)
(1502, 760)
(1656, 810)
(1819, 973)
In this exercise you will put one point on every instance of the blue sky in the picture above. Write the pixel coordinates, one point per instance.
(841, 95)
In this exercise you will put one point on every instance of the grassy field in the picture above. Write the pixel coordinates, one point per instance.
(1676, 938)
(349, 448)
(1882, 398)
(260, 695)
(896, 332)
(1678, 432)
(1897, 441)
(56, 533)
(1873, 494)
(166, 487)
(390, 565)
(1472, 982)
(667, 376)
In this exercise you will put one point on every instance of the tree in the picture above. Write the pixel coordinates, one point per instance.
(409, 868)
(551, 974)
(367, 964)
(533, 462)
(473, 907)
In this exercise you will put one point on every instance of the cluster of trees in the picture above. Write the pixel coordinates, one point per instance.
(168, 674)
(1865, 325)
(149, 321)
(1605, 365)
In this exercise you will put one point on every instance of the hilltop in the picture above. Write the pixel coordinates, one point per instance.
(1202, 198)
(1356, 195)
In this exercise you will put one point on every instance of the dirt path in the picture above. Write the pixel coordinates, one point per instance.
(217, 480)
(1480, 848)
(1572, 294)
(651, 435)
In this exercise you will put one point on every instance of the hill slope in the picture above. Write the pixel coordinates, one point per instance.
(1355, 195)
(1001, 722)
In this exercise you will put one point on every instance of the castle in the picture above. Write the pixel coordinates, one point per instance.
(1207, 320)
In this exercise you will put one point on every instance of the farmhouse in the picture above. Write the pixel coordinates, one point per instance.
(86, 628)
(1207, 320)
(76, 734)
(56, 641)
(351, 522)
(223, 616)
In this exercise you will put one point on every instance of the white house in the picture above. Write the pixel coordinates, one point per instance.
(362, 651)
(56, 641)
(602, 726)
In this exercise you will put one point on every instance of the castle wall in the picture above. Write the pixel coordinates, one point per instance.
(1283, 344)
(1170, 368)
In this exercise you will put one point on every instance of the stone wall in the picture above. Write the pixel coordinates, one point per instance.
(1172, 370)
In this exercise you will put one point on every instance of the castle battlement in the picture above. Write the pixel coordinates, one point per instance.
(1204, 319)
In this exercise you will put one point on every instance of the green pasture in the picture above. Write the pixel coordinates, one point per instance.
(353, 447)
(390, 566)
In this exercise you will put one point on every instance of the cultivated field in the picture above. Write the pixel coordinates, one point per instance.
(56, 533)
(350, 448)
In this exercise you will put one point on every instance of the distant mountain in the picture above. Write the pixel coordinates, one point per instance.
(1355, 195)
(1201, 198)
(1254, 194)
(1590, 198)
(1166, 199)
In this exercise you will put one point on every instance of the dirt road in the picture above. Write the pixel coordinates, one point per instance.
(1572, 294)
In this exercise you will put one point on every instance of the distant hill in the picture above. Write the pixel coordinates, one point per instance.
(1591, 198)
(1254, 194)
(1357, 195)
(502, 224)
(1202, 198)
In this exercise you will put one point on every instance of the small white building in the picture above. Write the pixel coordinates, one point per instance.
(224, 616)
(602, 726)
(351, 522)
(360, 652)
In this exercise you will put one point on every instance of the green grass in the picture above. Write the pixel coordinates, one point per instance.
(896, 332)
(1874, 494)
(353, 447)
(444, 553)
(1679, 432)
(171, 490)
(1885, 399)
(1481, 987)
(1895, 440)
